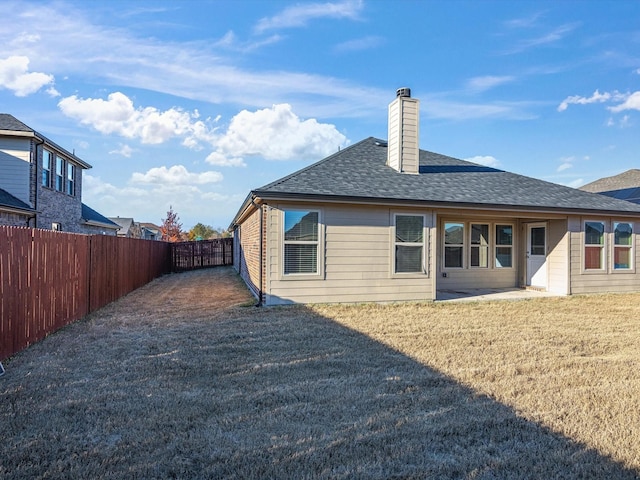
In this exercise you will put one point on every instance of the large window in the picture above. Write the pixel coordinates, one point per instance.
(300, 242)
(59, 174)
(47, 165)
(480, 245)
(409, 243)
(453, 245)
(622, 245)
(593, 245)
(504, 246)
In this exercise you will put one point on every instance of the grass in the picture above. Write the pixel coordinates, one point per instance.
(179, 380)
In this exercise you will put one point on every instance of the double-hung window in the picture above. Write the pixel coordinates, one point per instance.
(480, 245)
(301, 242)
(504, 246)
(409, 244)
(622, 245)
(453, 245)
(47, 164)
(60, 174)
(71, 179)
(593, 245)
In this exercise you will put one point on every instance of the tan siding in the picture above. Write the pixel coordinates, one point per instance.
(356, 261)
(558, 257)
(249, 252)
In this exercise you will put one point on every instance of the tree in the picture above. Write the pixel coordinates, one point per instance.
(202, 232)
(171, 227)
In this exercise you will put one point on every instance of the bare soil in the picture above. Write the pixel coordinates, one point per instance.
(185, 378)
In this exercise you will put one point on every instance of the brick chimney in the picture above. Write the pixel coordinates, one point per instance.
(403, 150)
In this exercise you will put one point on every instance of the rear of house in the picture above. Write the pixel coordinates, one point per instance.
(384, 221)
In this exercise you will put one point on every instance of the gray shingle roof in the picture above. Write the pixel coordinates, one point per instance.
(90, 215)
(359, 172)
(8, 200)
(624, 186)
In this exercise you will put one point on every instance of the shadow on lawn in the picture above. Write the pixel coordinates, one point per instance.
(269, 393)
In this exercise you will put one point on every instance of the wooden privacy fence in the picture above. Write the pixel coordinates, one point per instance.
(201, 254)
(50, 279)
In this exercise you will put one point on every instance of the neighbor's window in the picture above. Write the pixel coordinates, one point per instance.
(47, 163)
(71, 179)
(56, 227)
(479, 245)
(593, 245)
(59, 174)
(409, 243)
(453, 244)
(300, 242)
(504, 246)
(622, 243)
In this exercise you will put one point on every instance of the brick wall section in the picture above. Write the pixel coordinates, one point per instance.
(14, 219)
(248, 248)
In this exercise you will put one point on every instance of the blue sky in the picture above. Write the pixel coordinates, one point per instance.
(194, 103)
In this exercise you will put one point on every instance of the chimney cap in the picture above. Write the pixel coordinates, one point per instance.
(403, 92)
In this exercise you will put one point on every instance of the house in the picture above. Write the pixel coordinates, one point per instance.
(384, 221)
(129, 228)
(41, 183)
(625, 186)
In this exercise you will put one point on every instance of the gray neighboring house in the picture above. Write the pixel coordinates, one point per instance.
(41, 183)
(385, 221)
(128, 227)
(624, 186)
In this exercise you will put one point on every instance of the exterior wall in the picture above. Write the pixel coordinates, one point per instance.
(97, 230)
(14, 219)
(355, 255)
(610, 280)
(15, 167)
(558, 257)
(403, 135)
(248, 251)
(477, 277)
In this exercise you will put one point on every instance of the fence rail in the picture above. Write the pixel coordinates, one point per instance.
(201, 254)
(50, 279)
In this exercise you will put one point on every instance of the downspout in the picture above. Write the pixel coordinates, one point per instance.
(37, 185)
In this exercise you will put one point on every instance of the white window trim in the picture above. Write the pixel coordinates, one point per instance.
(604, 247)
(465, 250)
(319, 245)
(425, 245)
(632, 268)
(495, 246)
(472, 246)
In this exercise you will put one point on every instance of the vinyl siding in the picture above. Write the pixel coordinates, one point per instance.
(15, 158)
(558, 257)
(609, 281)
(354, 260)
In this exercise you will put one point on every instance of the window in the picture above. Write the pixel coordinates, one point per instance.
(300, 242)
(59, 174)
(71, 179)
(47, 163)
(593, 245)
(479, 245)
(453, 245)
(504, 246)
(622, 245)
(409, 244)
(56, 227)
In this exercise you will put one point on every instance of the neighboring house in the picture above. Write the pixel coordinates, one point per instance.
(41, 183)
(150, 231)
(384, 221)
(625, 186)
(129, 228)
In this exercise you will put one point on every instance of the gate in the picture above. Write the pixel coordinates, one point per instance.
(201, 254)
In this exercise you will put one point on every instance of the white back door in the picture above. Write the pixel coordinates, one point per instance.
(537, 255)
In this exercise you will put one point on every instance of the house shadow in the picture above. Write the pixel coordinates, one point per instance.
(321, 400)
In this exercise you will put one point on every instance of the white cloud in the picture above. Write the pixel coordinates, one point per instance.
(299, 15)
(486, 160)
(221, 160)
(275, 133)
(175, 175)
(631, 102)
(124, 150)
(564, 166)
(575, 183)
(597, 97)
(15, 76)
(551, 37)
(488, 81)
(117, 115)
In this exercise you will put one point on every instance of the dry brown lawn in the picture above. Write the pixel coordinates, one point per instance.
(183, 379)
